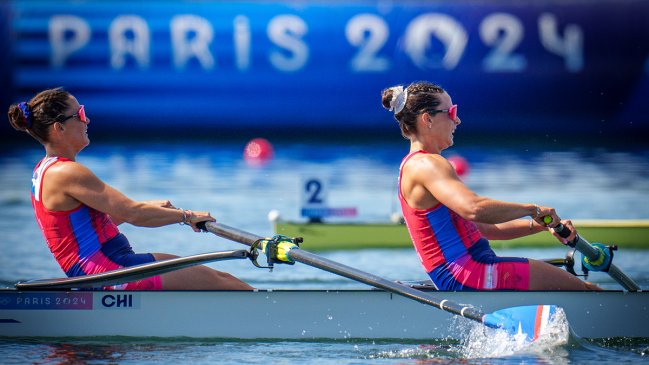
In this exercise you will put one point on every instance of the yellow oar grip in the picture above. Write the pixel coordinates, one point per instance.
(603, 260)
(600, 258)
(283, 249)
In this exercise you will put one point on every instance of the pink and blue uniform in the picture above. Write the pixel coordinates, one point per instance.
(83, 240)
(454, 253)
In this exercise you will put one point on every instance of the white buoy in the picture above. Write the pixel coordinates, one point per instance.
(273, 215)
(396, 218)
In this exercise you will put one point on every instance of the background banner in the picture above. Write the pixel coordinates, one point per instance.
(306, 66)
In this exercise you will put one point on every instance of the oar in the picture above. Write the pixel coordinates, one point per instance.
(527, 320)
(131, 273)
(598, 254)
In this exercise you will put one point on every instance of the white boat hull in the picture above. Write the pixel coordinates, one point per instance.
(296, 314)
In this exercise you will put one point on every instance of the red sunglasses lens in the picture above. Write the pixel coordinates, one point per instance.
(452, 112)
(82, 114)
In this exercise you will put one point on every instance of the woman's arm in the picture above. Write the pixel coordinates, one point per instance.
(81, 184)
(509, 230)
(159, 203)
(520, 228)
(438, 177)
(496, 219)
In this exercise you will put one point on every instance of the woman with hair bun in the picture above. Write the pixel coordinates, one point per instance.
(78, 213)
(448, 223)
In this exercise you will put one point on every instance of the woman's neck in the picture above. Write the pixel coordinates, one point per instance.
(52, 150)
(416, 145)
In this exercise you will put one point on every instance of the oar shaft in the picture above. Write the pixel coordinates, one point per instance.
(231, 233)
(322, 263)
(131, 273)
(592, 253)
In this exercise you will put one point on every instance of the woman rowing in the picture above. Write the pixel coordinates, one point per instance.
(78, 213)
(449, 224)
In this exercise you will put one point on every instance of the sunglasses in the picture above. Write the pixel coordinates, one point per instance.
(452, 112)
(81, 114)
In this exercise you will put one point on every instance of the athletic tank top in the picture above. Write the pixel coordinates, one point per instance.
(71, 235)
(439, 234)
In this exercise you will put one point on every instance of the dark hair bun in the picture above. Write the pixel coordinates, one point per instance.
(17, 118)
(386, 98)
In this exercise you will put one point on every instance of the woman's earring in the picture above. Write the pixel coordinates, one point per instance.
(430, 125)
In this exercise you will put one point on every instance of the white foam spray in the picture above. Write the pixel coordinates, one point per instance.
(481, 342)
(484, 342)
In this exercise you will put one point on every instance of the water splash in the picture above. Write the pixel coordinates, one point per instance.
(484, 342)
(481, 342)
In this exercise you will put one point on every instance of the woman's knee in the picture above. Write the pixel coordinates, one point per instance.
(163, 256)
(198, 277)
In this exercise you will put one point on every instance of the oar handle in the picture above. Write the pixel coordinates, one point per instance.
(593, 254)
(564, 232)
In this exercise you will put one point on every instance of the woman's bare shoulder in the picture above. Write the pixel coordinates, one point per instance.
(69, 170)
(428, 162)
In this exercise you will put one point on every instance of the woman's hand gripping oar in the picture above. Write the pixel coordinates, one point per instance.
(525, 322)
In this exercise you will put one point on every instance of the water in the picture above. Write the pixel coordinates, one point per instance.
(580, 182)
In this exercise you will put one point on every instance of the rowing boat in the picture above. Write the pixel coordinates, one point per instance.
(296, 314)
(51, 308)
(321, 236)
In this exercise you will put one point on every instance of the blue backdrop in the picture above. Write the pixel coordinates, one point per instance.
(169, 66)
